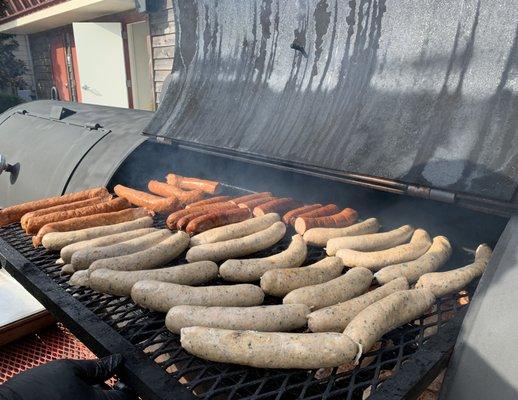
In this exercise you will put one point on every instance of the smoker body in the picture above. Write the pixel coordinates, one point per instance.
(405, 112)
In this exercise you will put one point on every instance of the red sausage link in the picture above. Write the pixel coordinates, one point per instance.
(167, 190)
(290, 216)
(344, 218)
(147, 200)
(249, 197)
(215, 219)
(183, 182)
(173, 218)
(251, 204)
(211, 200)
(324, 211)
(279, 206)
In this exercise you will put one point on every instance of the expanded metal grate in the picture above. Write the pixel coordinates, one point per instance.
(146, 330)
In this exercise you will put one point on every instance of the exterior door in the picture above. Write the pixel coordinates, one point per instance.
(140, 63)
(100, 59)
(64, 65)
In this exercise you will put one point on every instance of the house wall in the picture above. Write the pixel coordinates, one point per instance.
(23, 53)
(162, 31)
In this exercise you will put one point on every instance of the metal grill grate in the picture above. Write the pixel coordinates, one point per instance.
(146, 330)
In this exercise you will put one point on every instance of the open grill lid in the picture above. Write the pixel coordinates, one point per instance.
(417, 92)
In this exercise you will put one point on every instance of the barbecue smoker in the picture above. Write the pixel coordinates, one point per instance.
(406, 111)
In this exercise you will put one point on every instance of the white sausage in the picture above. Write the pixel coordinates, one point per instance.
(238, 247)
(120, 283)
(442, 283)
(58, 240)
(438, 253)
(80, 278)
(355, 282)
(386, 314)
(161, 296)
(67, 251)
(269, 349)
(234, 231)
(335, 318)
(82, 259)
(319, 236)
(249, 270)
(67, 269)
(155, 256)
(277, 318)
(375, 260)
(371, 242)
(279, 282)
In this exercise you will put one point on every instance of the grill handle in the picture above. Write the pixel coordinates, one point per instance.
(4, 166)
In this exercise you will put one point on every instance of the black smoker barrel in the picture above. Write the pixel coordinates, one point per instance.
(325, 101)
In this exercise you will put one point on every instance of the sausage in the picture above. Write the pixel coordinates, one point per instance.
(335, 318)
(80, 278)
(161, 296)
(279, 282)
(248, 270)
(269, 349)
(147, 200)
(234, 231)
(67, 269)
(63, 207)
(210, 200)
(279, 206)
(120, 283)
(344, 218)
(251, 204)
(36, 223)
(375, 260)
(324, 211)
(386, 314)
(205, 185)
(82, 259)
(12, 214)
(290, 216)
(184, 221)
(184, 196)
(90, 221)
(371, 242)
(276, 318)
(67, 251)
(442, 283)
(212, 220)
(58, 240)
(248, 197)
(172, 219)
(438, 253)
(238, 247)
(355, 282)
(154, 256)
(320, 236)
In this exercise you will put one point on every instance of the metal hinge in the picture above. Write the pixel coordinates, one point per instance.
(124, 34)
(128, 83)
(432, 194)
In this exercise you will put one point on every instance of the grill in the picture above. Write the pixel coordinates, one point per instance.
(427, 342)
(405, 112)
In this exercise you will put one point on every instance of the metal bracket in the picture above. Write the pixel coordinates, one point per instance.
(91, 126)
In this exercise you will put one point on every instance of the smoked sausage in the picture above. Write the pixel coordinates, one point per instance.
(183, 182)
(147, 200)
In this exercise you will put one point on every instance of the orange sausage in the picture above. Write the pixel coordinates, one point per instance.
(215, 219)
(167, 190)
(91, 221)
(35, 224)
(249, 197)
(344, 218)
(211, 200)
(324, 211)
(173, 218)
(183, 182)
(13, 214)
(251, 204)
(290, 216)
(147, 200)
(184, 221)
(279, 206)
(63, 207)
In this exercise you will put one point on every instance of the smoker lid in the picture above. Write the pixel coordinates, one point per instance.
(419, 92)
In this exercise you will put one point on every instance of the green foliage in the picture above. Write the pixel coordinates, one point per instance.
(7, 101)
(11, 68)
